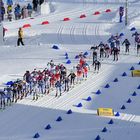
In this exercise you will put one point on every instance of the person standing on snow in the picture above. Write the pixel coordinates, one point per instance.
(20, 37)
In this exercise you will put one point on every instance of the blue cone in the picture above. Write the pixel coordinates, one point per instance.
(59, 119)
(55, 47)
(98, 92)
(66, 57)
(36, 135)
(110, 122)
(138, 87)
(48, 127)
(121, 34)
(124, 74)
(77, 56)
(133, 29)
(129, 100)
(88, 99)
(123, 107)
(117, 114)
(134, 94)
(115, 80)
(98, 138)
(86, 53)
(66, 54)
(107, 86)
(79, 105)
(68, 62)
(69, 111)
(104, 129)
(9, 83)
(132, 68)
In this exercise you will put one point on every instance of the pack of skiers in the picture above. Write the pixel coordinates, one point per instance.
(37, 83)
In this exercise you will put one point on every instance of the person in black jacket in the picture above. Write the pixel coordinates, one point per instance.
(127, 44)
(72, 76)
(97, 66)
(115, 53)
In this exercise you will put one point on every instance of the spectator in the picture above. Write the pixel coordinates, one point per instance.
(29, 8)
(20, 37)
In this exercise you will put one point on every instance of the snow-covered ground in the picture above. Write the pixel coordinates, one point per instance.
(23, 119)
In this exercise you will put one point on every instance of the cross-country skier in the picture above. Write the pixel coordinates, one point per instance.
(58, 87)
(101, 46)
(115, 53)
(107, 50)
(94, 56)
(66, 83)
(8, 92)
(97, 66)
(127, 44)
(79, 73)
(72, 76)
(85, 70)
(2, 99)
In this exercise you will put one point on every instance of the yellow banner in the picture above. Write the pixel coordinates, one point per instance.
(135, 73)
(105, 112)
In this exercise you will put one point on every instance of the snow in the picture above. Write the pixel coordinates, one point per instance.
(25, 118)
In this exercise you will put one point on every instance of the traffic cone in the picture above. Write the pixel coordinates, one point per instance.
(123, 107)
(117, 114)
(110, 122)
(124, 74)
(36, 135)
(107, 86)
(98, 138)
(59, 119)
(48, 127)
(69, 111)
(132, 68)
(79, 105)
(129, 100)
(115, 80)
(89, 98)
(98, 92)
(134, 94)
(104, 129)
